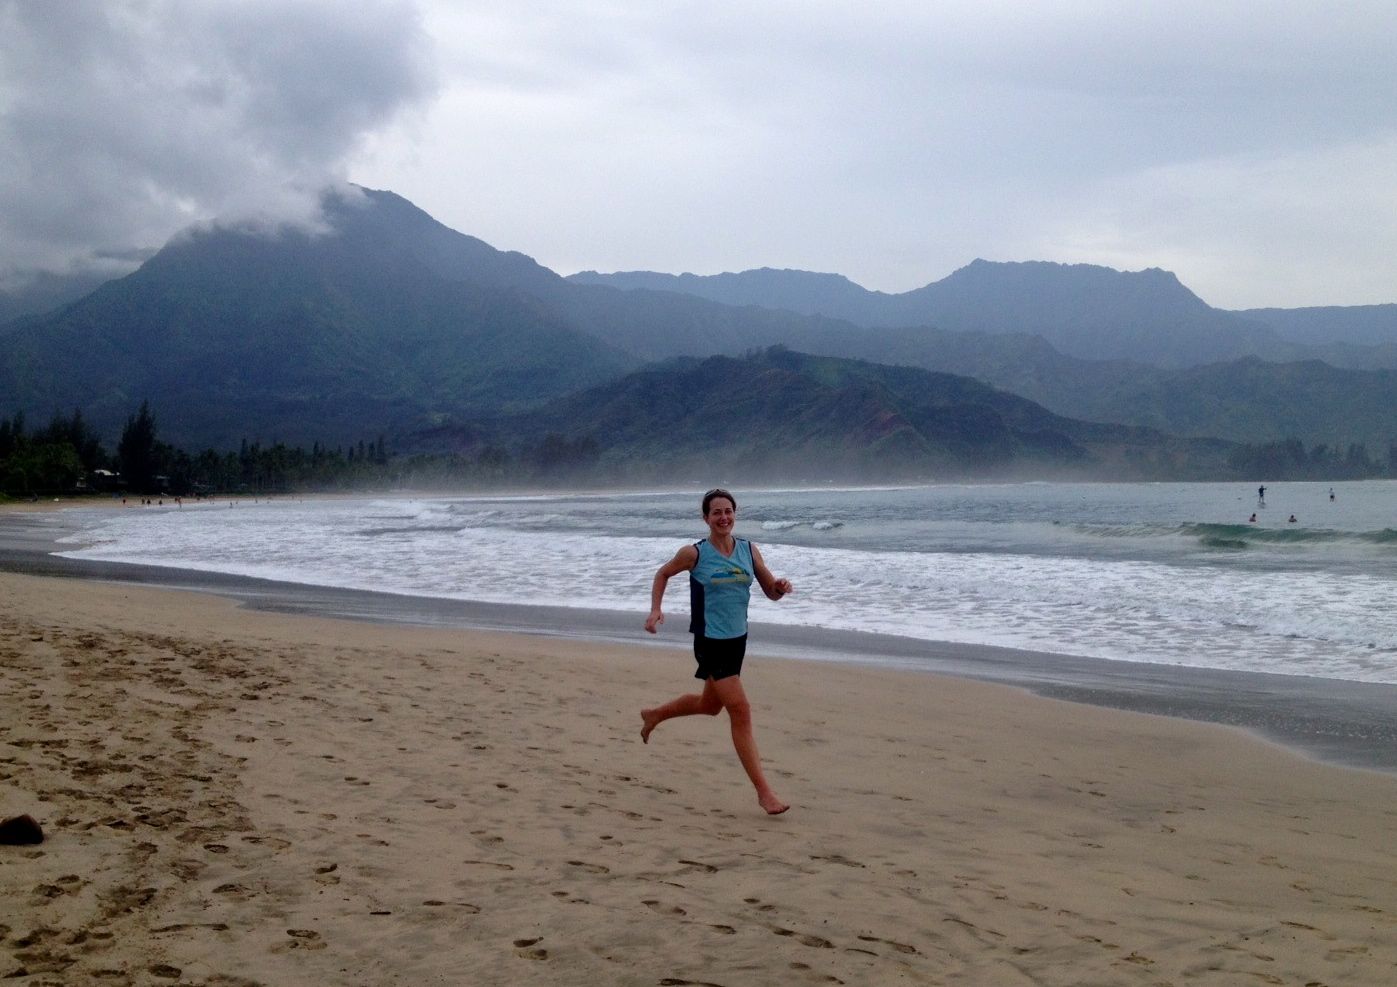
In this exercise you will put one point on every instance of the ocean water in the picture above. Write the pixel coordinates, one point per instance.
(1164, 573)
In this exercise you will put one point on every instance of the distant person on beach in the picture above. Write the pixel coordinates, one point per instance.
(1331, 493)
(1252, 519)
(721, 569)
(1292, 519)
(1261, 493)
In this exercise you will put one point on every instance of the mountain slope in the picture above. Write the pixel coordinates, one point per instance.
(44, 293)
(1245, 400)
(1253, 401)
(386, 321)
(781, 414)
(1354, 325)
(797, 291)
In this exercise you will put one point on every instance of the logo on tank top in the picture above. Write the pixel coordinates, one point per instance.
(733, 574)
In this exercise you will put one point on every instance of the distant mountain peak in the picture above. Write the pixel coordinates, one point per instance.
(1051, 268)
(1084, 310)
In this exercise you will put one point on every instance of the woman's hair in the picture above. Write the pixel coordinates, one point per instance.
(717, 492)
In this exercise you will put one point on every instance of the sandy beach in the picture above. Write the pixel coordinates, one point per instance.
(234, 797)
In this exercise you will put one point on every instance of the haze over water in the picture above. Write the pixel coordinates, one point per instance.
(1162, 573)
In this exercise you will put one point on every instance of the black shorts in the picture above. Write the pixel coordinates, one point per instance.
(719, 657)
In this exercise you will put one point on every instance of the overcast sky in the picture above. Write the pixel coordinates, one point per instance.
(1250, 147)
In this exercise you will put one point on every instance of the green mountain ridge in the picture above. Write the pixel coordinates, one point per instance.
(1244, 400)
(782, 414)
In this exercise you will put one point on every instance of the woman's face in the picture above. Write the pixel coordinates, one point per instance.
(721, 516)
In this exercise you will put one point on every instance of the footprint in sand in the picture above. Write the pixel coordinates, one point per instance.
(807, 940)
(186, 926)
(491, 863)
(836, 858)
(590, 868)
(523, 947)
(663, 909)
(235, 890)
(901, 947)
(271, 842)
(696, 865)
(465, 906)
(305, 939)
(188, 870)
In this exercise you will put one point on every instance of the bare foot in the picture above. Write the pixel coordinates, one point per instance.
(773, 805)
(650, 722)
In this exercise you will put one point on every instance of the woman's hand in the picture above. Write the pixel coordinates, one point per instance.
(653, 622)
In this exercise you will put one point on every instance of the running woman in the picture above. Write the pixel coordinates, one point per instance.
(721, 570)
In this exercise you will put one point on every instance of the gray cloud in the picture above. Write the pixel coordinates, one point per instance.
(897, 141)
(1247, 146)
(122, 122)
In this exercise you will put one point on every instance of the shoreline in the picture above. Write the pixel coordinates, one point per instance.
(1335, 721)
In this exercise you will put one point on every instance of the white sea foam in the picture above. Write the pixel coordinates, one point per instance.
(1109, 578)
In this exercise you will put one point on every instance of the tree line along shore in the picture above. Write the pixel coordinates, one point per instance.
(66, 457)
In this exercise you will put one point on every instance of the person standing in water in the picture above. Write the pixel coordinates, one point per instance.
(721, 570)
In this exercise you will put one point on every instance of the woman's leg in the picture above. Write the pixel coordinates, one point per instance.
(692, 704)
(730, 693)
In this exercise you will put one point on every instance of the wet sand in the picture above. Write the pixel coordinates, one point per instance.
(240, 797)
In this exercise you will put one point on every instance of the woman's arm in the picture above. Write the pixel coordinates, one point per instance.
(773, 588)
(683, 560)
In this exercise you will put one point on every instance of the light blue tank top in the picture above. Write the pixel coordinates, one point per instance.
(720, 587)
